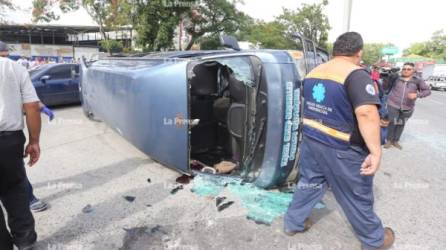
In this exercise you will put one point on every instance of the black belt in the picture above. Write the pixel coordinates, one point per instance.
(7, 133)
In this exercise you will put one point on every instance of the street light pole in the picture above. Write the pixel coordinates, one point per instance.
(347, 15)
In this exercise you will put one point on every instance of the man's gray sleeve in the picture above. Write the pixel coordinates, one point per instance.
(27, 90)
(423, 89)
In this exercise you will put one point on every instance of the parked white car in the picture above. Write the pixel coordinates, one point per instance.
(437, 82)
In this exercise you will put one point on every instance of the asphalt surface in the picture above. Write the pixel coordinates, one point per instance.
(86, 163)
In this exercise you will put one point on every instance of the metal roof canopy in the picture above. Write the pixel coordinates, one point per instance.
(37, 28)
(51, 34)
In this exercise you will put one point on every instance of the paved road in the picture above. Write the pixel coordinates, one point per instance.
(85, 162)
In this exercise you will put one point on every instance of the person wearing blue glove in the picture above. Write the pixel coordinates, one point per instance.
(44, 109)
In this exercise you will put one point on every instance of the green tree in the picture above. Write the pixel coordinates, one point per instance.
(308, 20)
(111, 45)
(209, 42)
(44, 10)
(329, 48)
(271, 35)
(211, 17)
(438, 45)
(372, 52)
(434, 48)
(419, 48)
(108, 14)
(157, 21)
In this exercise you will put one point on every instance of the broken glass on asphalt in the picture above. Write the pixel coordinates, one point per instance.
(263, 206)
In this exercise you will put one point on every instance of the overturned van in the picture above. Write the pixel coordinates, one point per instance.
(241, 107)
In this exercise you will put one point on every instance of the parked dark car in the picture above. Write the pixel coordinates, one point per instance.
(56, 84)
(206, 106)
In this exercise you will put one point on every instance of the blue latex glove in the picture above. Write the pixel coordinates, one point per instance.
(47, 112)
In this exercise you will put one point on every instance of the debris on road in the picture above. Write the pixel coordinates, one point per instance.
(224, 206)
(149, 180)
(219, 200)
(225, 167)
(176, 189)
(258, 222)
(196, 165)
(263, 206)
(157, 228)
(87, 209)
(184, 179)
(130, 198)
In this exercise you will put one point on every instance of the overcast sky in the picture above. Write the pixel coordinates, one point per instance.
(400, 22)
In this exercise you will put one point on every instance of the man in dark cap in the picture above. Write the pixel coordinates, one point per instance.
(17, 96)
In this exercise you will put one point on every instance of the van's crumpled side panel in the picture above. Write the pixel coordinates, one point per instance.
(145, 102)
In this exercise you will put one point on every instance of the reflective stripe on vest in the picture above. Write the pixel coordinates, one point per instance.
(327, 130)
(328, 113)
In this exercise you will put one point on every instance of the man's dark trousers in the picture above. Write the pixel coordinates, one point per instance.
(398, 119)
(14, 193)
(321, 166)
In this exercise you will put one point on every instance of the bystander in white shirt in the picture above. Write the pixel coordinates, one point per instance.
(16, 89)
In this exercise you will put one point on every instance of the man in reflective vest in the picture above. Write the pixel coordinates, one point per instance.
(341, 145)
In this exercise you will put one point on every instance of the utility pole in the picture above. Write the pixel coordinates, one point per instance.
(347, 15)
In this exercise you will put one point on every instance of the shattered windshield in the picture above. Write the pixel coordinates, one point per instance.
(241, 67)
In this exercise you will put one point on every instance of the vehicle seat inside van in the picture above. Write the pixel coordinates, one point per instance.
(218, 99)
(236, 118)
(203, 92)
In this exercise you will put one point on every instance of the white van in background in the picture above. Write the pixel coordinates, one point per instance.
(437, 82)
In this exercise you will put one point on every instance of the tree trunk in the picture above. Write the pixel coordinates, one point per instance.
(104, 36)
(191, 43)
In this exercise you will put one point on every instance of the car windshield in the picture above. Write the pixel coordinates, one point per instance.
(241, 67)
(37, 69)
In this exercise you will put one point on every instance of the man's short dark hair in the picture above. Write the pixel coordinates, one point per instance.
(348, 44)
(409, 64)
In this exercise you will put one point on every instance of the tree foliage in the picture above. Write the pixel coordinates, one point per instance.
(44, 10)
(211, 42)
(156, 23)
(111, 45)
(269, 34)
(308, 20)
(372, 53)
(108, 14)
(434, 48)
(5, 5)
(211, 17)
